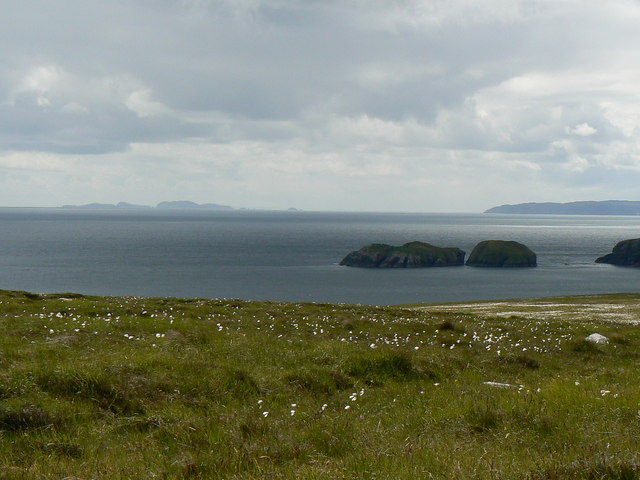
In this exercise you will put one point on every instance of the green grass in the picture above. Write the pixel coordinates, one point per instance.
(144, 388)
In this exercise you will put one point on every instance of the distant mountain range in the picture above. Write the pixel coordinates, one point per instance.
(608, 207)
(176, 205)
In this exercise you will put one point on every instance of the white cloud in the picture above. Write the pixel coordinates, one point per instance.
(582, 130)
(140, 102)
(41, 79)
(365, 128)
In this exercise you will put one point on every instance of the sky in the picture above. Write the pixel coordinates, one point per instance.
(359, 105)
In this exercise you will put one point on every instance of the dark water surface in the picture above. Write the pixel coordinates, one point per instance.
(294, 255)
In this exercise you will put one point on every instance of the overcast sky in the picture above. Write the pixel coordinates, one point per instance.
(376, 105)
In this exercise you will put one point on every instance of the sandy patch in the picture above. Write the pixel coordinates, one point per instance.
(614, 312)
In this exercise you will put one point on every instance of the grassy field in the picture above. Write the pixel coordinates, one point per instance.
(160, 388)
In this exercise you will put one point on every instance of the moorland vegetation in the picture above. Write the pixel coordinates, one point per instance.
(149, 388)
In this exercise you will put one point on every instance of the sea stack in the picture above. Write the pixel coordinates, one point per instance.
(409, 255)
(501, 254)
(626, 253)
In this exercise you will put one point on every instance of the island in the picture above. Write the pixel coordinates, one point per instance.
(501, 253)
(105, 206)
(608, 207)
(409, 255)
(188, 205)
(626, 253)
(171, 205)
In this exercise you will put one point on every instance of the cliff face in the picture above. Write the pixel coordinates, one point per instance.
(409, 255)
(625, 253)
(501, 253)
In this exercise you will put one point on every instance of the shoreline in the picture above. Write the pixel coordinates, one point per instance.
(589, 304)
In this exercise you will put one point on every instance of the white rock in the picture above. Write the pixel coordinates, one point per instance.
(597, 339)
(499, 385)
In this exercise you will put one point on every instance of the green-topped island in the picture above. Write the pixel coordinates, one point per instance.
(409, 255)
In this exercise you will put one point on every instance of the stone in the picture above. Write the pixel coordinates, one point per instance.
(500, 385)
(597, 339)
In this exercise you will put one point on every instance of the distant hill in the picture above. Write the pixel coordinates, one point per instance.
(178, 205)
(105, 206)
(185, 204)
(608, 207)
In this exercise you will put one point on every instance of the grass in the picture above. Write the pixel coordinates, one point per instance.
(162, 388)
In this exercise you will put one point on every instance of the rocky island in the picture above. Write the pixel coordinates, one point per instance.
(626, 253)
(501, 253)
(409, 255)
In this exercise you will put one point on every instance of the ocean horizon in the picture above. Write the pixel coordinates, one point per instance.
(295, 255)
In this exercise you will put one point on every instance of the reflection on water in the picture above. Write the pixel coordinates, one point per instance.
(294, 255)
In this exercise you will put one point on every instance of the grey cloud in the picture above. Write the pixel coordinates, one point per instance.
(285, 58)
(26, 125)
(281, 74)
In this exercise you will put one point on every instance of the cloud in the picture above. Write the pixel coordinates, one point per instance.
(273, 102)
(54, 110)
(582, 130)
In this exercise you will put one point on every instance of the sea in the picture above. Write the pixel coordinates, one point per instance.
(294, 255)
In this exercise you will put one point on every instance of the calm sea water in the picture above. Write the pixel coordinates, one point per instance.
(294, 255)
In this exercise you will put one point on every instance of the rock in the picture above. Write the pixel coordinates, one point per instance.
(597, 339)
(409, 255)
(625, 253)
(501, 253)
(500, 385)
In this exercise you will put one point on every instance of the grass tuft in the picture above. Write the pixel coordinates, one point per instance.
(522, 360)
(239, 383)
(387, 364)
(586, 347)
(99, 390)
(317, 381)
(484, 418)
(619, 339)
(600, 469)
(333, 439)
(449, 325)
(28, 417)
(65, 449)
